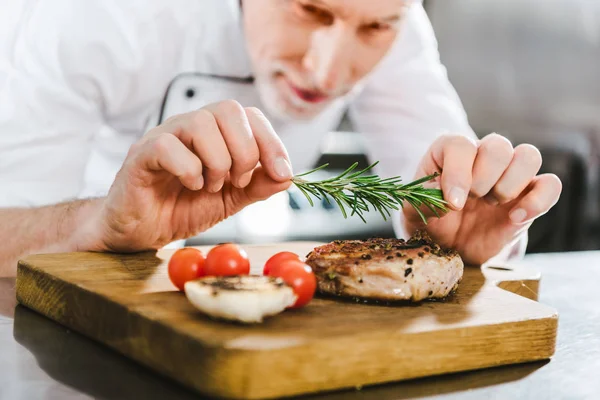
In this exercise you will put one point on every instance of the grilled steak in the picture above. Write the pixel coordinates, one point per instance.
(386, 269)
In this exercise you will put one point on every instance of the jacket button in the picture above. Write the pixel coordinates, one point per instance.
(190, 93)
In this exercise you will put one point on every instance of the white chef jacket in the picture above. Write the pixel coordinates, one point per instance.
(80, 81)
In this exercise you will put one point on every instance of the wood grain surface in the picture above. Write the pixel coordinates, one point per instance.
(128, 303)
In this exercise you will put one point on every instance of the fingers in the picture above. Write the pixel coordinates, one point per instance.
(544, 192)
(492, 170)
(263, 186)
(167, 152)
(455, 155)
(237, 133)
(494, 155)
(232, 140)
(523, 167)
(273, 156)
(500, 174)
(260, 188)
(200, 132)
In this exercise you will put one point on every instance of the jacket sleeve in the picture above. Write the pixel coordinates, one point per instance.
(54, 81)
(407, 103)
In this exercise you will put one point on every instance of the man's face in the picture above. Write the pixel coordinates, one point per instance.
(305, 53)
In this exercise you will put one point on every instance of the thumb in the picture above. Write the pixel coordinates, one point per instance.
(261, 187)
(410, 213)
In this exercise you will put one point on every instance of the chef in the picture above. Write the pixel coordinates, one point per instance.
(125, 126)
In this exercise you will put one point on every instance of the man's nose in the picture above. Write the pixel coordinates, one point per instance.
(329, 57)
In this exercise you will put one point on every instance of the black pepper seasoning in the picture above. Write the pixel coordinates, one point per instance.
(421, 254)
(409, 261)
(407, 272)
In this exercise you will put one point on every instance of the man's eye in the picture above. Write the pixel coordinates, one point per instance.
(315, 13)
(378, 27)
(310, 9)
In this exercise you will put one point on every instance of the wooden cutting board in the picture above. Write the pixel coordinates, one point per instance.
(128, 303)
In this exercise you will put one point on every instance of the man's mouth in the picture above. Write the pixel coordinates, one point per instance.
(309, 96)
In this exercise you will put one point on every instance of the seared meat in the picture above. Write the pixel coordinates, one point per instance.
(386, 269)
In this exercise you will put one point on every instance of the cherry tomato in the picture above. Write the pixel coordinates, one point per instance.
(301, 278)
(227, 259)
(276, 260)
(185, 265)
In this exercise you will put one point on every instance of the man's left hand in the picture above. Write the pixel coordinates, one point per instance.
(493, 190)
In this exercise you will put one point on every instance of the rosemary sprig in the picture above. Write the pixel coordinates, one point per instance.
(359, 192)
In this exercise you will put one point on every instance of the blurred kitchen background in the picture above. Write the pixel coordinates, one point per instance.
(527, 69)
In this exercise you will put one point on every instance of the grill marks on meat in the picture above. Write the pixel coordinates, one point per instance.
(386, 269)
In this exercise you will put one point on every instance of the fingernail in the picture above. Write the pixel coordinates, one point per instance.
(491, 200)
(216, 187)
(457, 197)
(518, 215)
(282, 168)
(245, 179)
(200, 182)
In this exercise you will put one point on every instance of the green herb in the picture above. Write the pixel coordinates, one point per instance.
(359, 192)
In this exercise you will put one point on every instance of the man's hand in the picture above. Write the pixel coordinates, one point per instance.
(187, 175)
(493, 191)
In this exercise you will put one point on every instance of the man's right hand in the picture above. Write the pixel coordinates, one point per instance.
(188, 174)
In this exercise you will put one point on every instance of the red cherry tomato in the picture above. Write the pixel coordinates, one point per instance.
(185, 265)
(227, 259)
(275, 262)
(301, 278)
